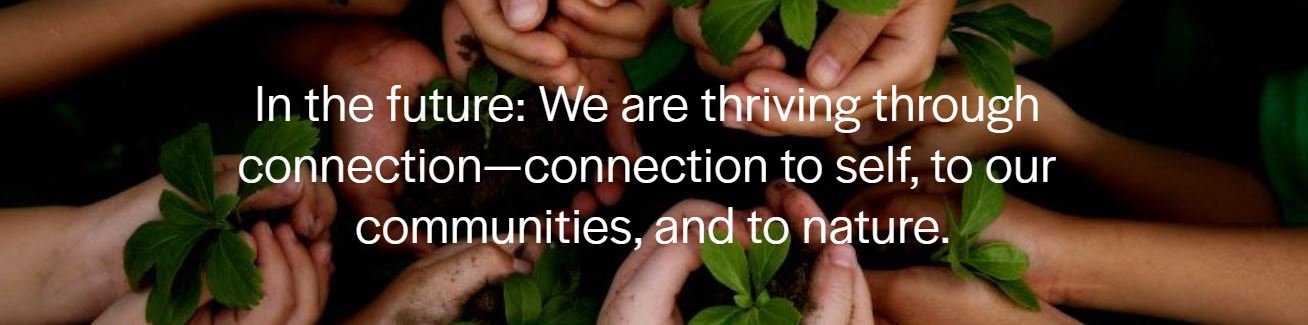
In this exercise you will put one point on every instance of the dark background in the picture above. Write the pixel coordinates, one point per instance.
(1181, 74)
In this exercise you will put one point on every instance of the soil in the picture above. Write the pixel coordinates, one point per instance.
(791, 282)
(796, 57)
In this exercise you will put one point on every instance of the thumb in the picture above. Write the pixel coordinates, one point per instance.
(524, 15)
(842, 45)
(467, 272)
(832, 289)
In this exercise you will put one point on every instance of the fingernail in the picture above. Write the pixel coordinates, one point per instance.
(826, 71)
(522, 12)
(729, 120)
(842, 256)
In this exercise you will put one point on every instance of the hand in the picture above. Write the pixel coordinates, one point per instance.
(856, 55)
(507, 35)
(363, 59)
(755, 55)
(607, 29)
(839, 292)
(1050, 135)
(434, 289)
(294, 285)
(934, 295)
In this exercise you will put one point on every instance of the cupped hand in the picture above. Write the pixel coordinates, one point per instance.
(434, 289)
(934, 295)
(838, 293)
(507, 34)
(607, 29)
(295, 283)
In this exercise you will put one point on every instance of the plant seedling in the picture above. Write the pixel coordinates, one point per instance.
(985, 38)
(1000, 263)
(726, 25)
(196, 236)
(483, 80)
(747, 274)
(549, 295)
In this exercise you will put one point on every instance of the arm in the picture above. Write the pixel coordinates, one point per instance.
(51, 42)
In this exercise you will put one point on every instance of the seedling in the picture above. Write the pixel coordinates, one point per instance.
(1000, 263)
(726, 25)
(196, 236)
(747, 276)
(549, 295)
(483, 80)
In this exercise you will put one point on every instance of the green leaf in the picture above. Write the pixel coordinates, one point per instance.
(799, 18)
(515, 86)
(224, 205)
(779, 311)
(983, 200)
(522, 300)
(660, 59)
(176, 210)
(551, 271)
(187, 163)
(576, 310)
(1032, 33)
(289, 139)
(139, 254)
(766, 258)
(937, 78)
(1002, 261)
(233, 279)
(727, 263)
(866, 7)
(728, 24)
(986, 24)
(683, 3)
(958, 244)
(986, 63)
(1018, 292)
(483, 80)
(172, 251)
(743, 300)
(717, 315)
(177, 304)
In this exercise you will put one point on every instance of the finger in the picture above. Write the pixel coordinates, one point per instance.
(832, 290)
(322, 259)
(462, 49)
(466, 273)
(863, 312)
(304, 273)
(842, 45)
(639, 17)
(304, 211)
(591, 44)
(277, 283)
(524, 15)
(489, 25)
(796, 206)
(686, 26)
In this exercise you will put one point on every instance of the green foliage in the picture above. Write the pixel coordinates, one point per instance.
(660, 59)
(195, 237)
(549, 295)
(747, 275)
(1000, 263)
(726, 25)
(985, 38)
(483, 80)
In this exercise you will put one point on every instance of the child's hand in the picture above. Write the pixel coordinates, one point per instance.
(934, 295)
(755, 55)
(295, 281)
(507, 34)
(433, 290)
(607, 29)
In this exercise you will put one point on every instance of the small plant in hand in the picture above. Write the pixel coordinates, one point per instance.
(747, 274)
(1001, 263)
(549, 296)
(726, 25)
(198, 233)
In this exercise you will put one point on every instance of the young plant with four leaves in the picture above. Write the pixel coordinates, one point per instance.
(747, 274)
(483, 81)
(549, 296)
(726, 25)
(198, 233)
(1000, 263)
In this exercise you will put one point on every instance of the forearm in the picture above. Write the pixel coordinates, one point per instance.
(50, 42)
(1168, 184)
(1192, 273)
